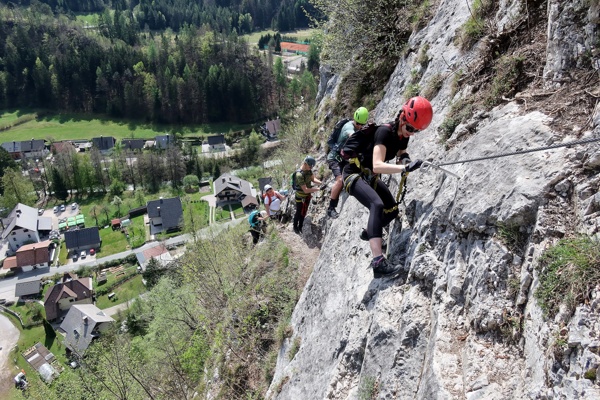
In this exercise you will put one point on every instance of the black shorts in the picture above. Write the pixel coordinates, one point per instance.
(335, 167)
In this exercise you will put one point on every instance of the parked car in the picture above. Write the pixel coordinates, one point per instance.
(62, 207)
(74, 257)
(55, 209)
(92, 252)
(74, 206)
(83, 254)
(41, 211)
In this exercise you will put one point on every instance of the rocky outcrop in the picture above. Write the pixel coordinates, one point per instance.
(461, 321)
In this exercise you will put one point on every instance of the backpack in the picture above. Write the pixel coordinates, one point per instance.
(332, 142)
(252, 220)
(358, 141)
(293, 183)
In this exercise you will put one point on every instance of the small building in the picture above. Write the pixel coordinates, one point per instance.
(164, 141)
(104, 143)
(216, 143)
(63, 147)
(115, 224)
(83, 239)
(24, 225)
(83, 324)
(166, 215)
(133, 144)
(158, 252)
(30, 256)
(40, 359)
(26, 149)
(294, 48)
(70, 291)
(231, 189)
(28, 288)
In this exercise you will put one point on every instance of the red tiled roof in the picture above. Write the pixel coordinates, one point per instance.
(294, 47)
(10, 262)
(33, 254)
(154, 251)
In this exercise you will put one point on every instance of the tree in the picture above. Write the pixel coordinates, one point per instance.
(59, 186)
(191, 181)
(280, 77)
(94, 211)
(154, 271)
(6, 161)
(17, 190)
(117, 202)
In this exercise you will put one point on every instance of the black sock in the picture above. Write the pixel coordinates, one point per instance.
(333, 203)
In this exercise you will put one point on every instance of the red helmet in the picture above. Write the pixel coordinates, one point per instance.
(418, 112)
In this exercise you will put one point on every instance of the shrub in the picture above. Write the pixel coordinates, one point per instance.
(294, 348)
(567, 274)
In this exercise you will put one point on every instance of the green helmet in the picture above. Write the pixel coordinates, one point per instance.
(310, 161)
(361, 115)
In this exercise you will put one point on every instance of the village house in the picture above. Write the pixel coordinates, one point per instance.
(30, 256)
(26, 149)
(24, 225)
(70, 291)
(166, 215)
(82, 324)
(216, 143)
(104, 143)
(230, 189)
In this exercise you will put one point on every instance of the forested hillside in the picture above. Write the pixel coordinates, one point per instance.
(197, 75)
(221, 15)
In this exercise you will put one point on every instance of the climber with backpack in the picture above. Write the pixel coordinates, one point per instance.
(367, 153)
(272, 200)
(257, 220)
(302, 181)
(342, 130)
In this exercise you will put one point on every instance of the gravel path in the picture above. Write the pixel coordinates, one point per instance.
(9, 335)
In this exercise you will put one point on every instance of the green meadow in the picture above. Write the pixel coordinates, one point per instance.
(18, 125)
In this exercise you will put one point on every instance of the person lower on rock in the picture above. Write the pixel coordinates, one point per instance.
(257, 220)
(336, 162)
(304, 179)
(272, 200)
(367, 156)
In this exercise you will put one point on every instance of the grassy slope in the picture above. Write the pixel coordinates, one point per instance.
(74, 126)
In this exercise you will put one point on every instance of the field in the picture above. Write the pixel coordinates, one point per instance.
(19, 125)
(300, 35)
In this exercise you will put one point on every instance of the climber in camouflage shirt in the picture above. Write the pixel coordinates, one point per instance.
(304, 179)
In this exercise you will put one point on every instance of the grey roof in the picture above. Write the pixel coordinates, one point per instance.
(24, 146)
(164, 141)
(217, 139)
(44, 224)
(21, 216)
(79, 330)
(170, 210)
(82, 237)
(133, 144)
(27, 288)
(230, 182)
(104, 142)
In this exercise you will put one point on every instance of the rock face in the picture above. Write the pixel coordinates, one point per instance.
(461, 321)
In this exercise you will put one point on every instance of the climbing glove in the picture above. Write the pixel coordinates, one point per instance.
(413, 166)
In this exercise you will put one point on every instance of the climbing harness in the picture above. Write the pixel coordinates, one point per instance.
(399, 199)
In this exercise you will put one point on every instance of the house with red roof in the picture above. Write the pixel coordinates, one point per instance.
(71, 290)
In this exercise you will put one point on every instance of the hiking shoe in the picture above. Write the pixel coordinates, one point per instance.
(297, 231)
(364, 236)
(382, 268)
(331, 213)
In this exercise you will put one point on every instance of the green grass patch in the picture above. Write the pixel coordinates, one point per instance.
(63, 254)
(113, 242)
(301, 35)
(508, 70)
(475, 27)
(567, 274)
(123, 293)
(81, 126)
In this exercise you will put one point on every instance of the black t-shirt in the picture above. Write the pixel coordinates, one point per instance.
(386, 136)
